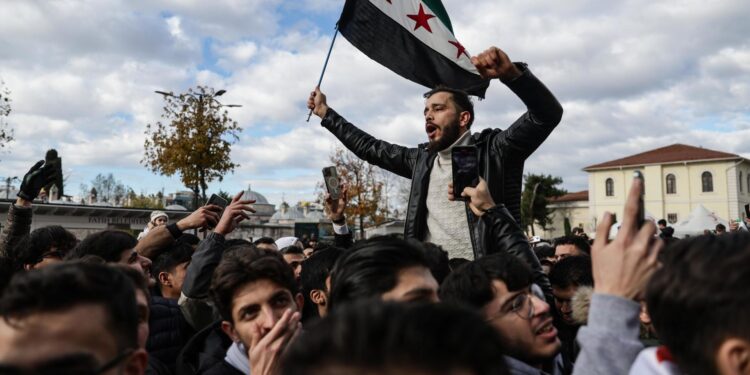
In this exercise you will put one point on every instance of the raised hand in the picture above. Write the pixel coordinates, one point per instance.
(494, 63)
(317, 102)
(39, 176)
(622, 267)
(234, 214)
(203, 217)
(265, 351)
(335, 207)
(481, 200)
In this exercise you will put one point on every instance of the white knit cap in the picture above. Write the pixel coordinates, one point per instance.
(156, 214)
(286, 241)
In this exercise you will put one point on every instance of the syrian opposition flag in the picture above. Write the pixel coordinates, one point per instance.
(414, 39)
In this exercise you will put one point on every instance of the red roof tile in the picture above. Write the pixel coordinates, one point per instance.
(572, 197)
(673, 153)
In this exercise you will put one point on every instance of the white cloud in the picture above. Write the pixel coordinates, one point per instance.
(631, 75)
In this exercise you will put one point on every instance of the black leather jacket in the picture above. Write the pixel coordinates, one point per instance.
(502, 154)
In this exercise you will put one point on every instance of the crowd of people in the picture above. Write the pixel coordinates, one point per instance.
(462, 292)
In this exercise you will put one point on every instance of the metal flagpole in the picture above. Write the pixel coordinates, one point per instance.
(325, 65)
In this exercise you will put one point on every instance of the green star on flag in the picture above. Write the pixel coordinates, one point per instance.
(412, 38)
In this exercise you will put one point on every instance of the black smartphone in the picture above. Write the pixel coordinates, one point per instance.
(217, 200)
(465, 164)
(331, 178)
(641, 218)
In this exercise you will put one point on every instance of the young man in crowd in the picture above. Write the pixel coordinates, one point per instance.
(448, 115)
(293, 256)
(170, 268)
(315, 282)
(566, 277)
(384, 268)
(256, 293)
(169, 330)
(393, 338)
(499, 286)
(699, 300)
(571, 246)
(70, 318)
(42, 247)
(113, 246)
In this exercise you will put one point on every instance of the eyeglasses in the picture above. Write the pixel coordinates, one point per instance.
(521, 304)
(74, 364)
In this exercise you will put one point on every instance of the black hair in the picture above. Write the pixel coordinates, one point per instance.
(176, 254)
(241, 265)
(460, 97)
(292, 250)
(700, 297)
(264, 240)
(381, 338)
(572, 271)
(544, 251)
(472, 283)
(370, 268)
(315, 270)
(579, 242)
(457, 262)
(62, 286)
(721, 228)
(662, 222)
(437, 258)
(108, 244)
(236, 242)
(31, 247)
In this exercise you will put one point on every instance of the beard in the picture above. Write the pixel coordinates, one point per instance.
(450, 136)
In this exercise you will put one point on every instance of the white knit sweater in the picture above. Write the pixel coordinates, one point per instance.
(447, 224)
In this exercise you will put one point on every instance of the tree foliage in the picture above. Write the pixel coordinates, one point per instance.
(365, 189)
(6, 133)
(108, 189)
(537, 191)
(193, 139)
(151, 201)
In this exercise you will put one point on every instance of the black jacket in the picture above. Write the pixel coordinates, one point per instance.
(168, 331)
(502, 154)
(204, 353)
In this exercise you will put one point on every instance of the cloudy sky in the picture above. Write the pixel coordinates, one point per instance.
(632, 75)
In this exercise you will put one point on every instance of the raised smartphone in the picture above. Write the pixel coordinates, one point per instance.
(465, 164)
(331, 178)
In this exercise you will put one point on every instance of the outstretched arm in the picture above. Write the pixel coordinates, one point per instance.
(18, 222)
(544, 111)
(397, 159)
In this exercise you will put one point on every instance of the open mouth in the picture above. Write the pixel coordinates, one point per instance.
(546, 330)
(431, 130)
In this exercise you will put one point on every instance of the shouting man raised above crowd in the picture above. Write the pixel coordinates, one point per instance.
(448, 115)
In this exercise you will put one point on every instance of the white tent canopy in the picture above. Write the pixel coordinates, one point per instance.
(698, 221)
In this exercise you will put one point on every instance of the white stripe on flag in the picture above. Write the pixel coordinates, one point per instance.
(438, 39)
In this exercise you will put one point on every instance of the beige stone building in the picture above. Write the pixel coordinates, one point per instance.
(677, 179)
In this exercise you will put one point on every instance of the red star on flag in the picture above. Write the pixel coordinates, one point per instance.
(421, 19)
(461, 49)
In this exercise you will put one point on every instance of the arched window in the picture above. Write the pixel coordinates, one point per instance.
(707, 181)
(609, 187)
(671, 184)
